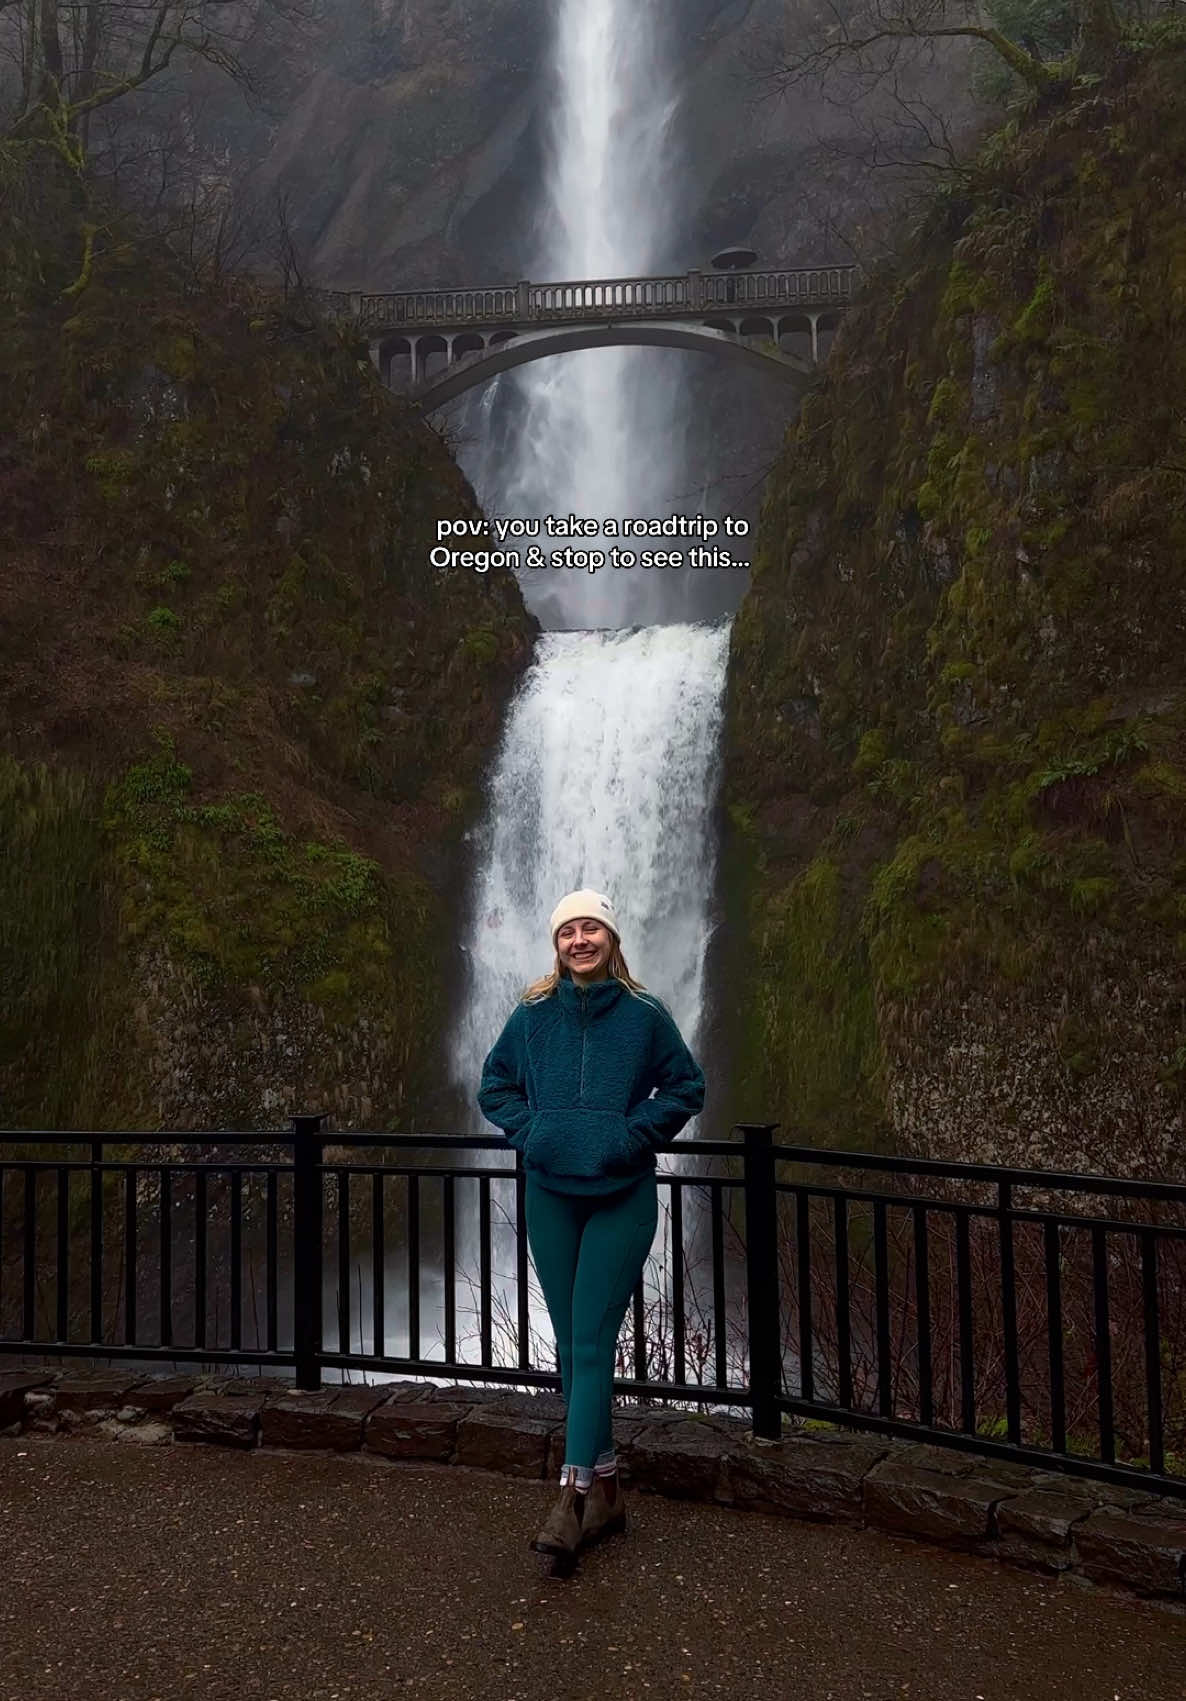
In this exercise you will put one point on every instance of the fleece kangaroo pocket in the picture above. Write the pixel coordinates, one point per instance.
(580, 1142)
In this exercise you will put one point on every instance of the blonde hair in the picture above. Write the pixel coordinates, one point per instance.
(616, 970)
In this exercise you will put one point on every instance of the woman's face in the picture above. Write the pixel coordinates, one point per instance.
(584, 948)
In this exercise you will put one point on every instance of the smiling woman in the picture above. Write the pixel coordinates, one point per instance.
(589, 1077)
(583, 947)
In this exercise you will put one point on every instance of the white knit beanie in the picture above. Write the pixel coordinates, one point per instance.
(595, 905)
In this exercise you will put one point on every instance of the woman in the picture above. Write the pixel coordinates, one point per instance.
(570, 1081)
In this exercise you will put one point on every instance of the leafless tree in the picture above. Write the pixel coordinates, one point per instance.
(67, 60)
(877, 39)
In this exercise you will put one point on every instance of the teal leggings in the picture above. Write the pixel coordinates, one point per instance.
(589, 1253)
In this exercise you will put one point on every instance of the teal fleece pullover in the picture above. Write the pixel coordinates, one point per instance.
(570, 1078)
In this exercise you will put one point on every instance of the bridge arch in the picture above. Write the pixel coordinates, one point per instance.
(506, 350)
(393, 357)
(425, 353)
(827, 325)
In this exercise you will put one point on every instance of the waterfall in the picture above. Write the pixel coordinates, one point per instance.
(607, 770)
(600, 432)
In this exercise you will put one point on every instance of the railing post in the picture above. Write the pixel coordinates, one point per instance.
(761, 1278)
(307, 1249)
(695, 289)
(523, 299)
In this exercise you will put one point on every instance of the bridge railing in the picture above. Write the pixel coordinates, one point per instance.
(1030, 1315)
(494, 306)
(808, 287)
(579, 300)
(610, 297)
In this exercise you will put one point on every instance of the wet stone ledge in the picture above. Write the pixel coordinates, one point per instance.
(1043, 1520)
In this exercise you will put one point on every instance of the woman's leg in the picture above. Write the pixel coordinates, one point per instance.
(554, 1224)
(613, 1249)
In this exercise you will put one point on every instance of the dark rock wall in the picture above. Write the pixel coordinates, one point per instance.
(957, 725)
(243, 723)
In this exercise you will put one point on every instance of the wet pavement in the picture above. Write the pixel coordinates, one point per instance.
(196, 1571)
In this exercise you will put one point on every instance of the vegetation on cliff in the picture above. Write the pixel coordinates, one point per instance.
(242, 719)
(957, 722)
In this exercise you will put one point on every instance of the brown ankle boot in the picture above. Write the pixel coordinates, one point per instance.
(561, 1533)
(604, 1516)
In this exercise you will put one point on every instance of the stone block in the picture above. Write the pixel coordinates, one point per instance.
(323, 1418)
(738, 1430)
(654, 1416)
(456, 1394)
(257, 1388)
(356, 1399)
(684, 1459)
(806, 1478)
(1143, 1549)
(946, 1461)
(95, 1390)
(1035, 1528)
(414, 1429)
(159, 1394)
(14, 1385)
(495, 1441)
(233, 1421)
(306, 1419)
(549, 1408)
(1020, 1478)
(941, 1506)
(402, 1390)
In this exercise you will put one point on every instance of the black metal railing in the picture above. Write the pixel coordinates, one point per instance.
(960, 1315)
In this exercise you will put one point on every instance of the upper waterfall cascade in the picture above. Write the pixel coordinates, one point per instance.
(600, 432)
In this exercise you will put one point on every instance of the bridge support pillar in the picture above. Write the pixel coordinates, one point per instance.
(813, 319)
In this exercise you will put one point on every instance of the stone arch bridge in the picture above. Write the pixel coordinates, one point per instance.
(434, 344)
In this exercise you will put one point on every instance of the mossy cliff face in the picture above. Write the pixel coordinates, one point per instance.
(957, 717)
(243, 720)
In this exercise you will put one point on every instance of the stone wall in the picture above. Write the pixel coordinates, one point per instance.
(1042, 1520)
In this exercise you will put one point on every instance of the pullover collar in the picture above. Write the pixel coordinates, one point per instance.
(592, 1000)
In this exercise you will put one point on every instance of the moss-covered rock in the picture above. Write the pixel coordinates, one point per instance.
(964, 864)
(243, 720)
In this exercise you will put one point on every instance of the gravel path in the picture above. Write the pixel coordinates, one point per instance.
(137, 1574)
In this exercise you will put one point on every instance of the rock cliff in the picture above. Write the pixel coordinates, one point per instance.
(957, 716)
(242, 719)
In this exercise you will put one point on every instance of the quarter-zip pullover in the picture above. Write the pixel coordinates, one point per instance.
(570, 1082)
